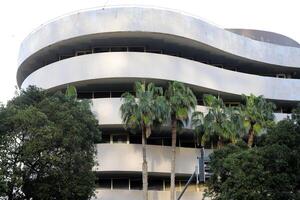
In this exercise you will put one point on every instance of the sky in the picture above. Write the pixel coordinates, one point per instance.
(20, 17)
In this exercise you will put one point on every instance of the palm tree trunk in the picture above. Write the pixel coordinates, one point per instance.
(250, 136)
(172, 189)
(145, 166)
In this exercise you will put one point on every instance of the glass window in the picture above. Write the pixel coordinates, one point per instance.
(105, 138)
(103, 183)
(101, 94)
(167, 141)
(136, 49)
(100, 49)
(154, 51)
(120, 138)
(85, 95)
(136, 184)
(121, 183)
(155, 184)
(61, 57)
(135, 139)
(79, 53)
(117, 49)
(154, 141)
(117, 93)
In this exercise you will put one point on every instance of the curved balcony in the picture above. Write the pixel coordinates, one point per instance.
(107, 110)
(129, 66)
(116, 157)
(137, 22)
(137, 194)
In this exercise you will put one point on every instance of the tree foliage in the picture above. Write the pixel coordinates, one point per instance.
(47, 147)
(269, 171)
(257, 115)
(221, 123)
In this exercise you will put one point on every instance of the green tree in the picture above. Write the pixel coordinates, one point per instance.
(47, 147)
(257, 115)
(220, 122)
(181, 100)
(269, 171)
(71, 91)
(145, 109)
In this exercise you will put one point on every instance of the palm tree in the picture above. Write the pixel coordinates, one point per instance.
(257, 114)
(144, 110)
(71, 91)
(220, 122)
(181, 100)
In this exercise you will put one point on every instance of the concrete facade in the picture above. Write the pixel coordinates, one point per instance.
(104, 51)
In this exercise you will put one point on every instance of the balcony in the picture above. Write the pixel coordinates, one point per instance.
(137, 195)
(128, 158)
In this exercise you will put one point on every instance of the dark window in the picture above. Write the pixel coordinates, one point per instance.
(105, 138)
(136, 184)
(79, 53)
(155, 141)
(154, 51)
(155, 184)
(100, 49)
(135, 139)
(103, 183)
(85, 95)
(65, 57)
(136, 49)
(117, 49)
(121, 183)
(187, 140)
(101, 94)
(171, 53)
(117, 94)
(119, 138)
(167, 141)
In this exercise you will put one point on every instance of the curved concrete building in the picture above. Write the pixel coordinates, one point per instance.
(104, 51)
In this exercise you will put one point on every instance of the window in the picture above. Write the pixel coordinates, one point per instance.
(101, 94)
(85, 95)
(80, 53)
(154, 51)
(136, 184)
(155, 184)
(105, 138)
(154, 141)
(117, 49)
(101, 49)
(121, 183)
(61, 57)
(135, 139)
(136, 49)
(232, 104)
(117, 93)
(119, 139)
(103, 183)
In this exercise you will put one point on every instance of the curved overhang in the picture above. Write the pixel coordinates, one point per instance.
(140, 21)
(115, 157)
(107, 111)
(105, 67)
(109, 194)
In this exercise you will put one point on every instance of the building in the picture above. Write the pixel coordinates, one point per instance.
(104, 51)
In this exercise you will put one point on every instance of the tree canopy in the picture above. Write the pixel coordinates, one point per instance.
(47, 147)
(269, 171)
